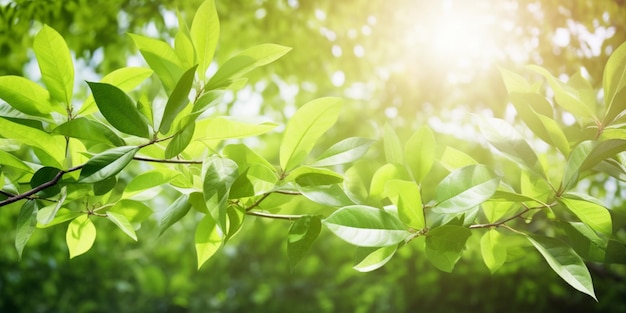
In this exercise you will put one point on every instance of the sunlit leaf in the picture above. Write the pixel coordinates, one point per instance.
(305, 127)
(366, 226)
(26, 221)
(25, 95)
(55, 63)
(207, 239)
(407, 198)
(174, 213)
(219, 175)
(180, 141)
(119, 110)
(107, 164)
(135, 211)
(51, 145)
(122, 222)
(493, 250)
(125, 78)
(161, 58)
(445, 244)
(220, 128)
(385, 173)
(150, 179)
(370, 259)
(310, 176)
(330, 195)
(392, 145)
(420, 152)
(453, 159)
(590, 213)
(205, 32)
(179, 98)
(184, 48)
(52, 210)
(88, 129)
(302, 234)
(80, 235)
(614, 82)
(465, 188)
(62, 215)
(345, 151)
(8, 159)
(565, 262)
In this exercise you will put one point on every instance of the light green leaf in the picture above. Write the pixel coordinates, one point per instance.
(62, 216)
(508, 141)
(87, 129)
(304, 129)
(310, 176)
(493, 250)
(565, 262)
(25, 96)
(302, 234)
(180, 141)
(445, 244)
(125, 78)
(161, 58)
(174, 213)
(407, 197)
(207, 239)
(393, 146)
(570, 98)
(256, 179)
(465, 188)
(614, 82)
(205, 32)
(119, 110)
(178, 100)
(330, 195)
(366, 226)
(80, 235)
(380, 178)
(601, 151)
(370, 259)
(52, 210)
(50, 145)
(574, 161)
(585, 241)
(151, 179)
(26, 222)
(106, 164)
(135, 211)
(345, 151)
(453, 159)
(590, 213)
(244, 62)
(184, 48)
(587, 155)
(220, 128)
(515, 83)
(122, 222)
(219, 175)
(55, 63)
(556, 136)
(8, 159)
(420, 152)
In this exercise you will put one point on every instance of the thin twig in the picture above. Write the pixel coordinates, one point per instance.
(41, 187)
(167, 161)
(275, 216)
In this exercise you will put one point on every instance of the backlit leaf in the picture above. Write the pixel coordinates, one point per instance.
(25, 95)
(205, 32)
(207, 239)
(51, 145)
(302, 234)
(177, 100)
(80, 235)
(345, 151)
(161, 58)
(590, 213)
(122, 222)
(392, 145)
(26, 221)
(493, 250)
(88, 129)
(55, 63)
(465, 188)
(150, 179)
(420, 153)
(219, 175)
(174, 213)
(366, 226)
(220, 128)
(370, 259)
(614, 82)
(445, 244)
(407, 198)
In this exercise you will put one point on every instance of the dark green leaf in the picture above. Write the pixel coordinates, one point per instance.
(302, 234)
(180, 141)
(174, 213)
(366, 226)
(445, 244)
(87, 129)
(119, 110)
(42, 176)
(104, 186)
(106, 164)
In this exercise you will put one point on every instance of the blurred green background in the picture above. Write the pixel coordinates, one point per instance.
(402, 62)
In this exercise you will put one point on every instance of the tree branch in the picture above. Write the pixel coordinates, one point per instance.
(167, 161)
(502, 222)
(275, 216)
(41, 187)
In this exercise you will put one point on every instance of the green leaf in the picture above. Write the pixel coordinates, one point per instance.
(51, 211)
(55, 63)
(574, 161)
(493, 250)
(556, 136)
(590, 213)
(256, 179)
(219, 175)
(151, 179)
(205, 32)
(585, 241)
(330, 195)
(465, 188)
(102, 187)
(515, 83)
(419, 153)
(45, 175)
(302, 234)
(572, 99)
(244, 62)
(180, 141)
(445, 244)
(161, 58)
(310, 176)
(8, 159)
(62, 215)
(345, 151)
(119, 110)
(453, 159)
(174, 213)
(601, 151)
(135, 211)
(366, 226)
(508, 141)
(106, 164)
(393, 146)
(126, 79)
(207, 239)
(587, 155)
(80, 235)
(305, 127)
(26, 221)
(50, 145)
(184, 47)
(373, 258)
(380, 178)
(614, 82)
(87, 129)
(25, 96)
(565, 262)
(178, 100)
(407, 197)
(122, 222)
(220, 128)
(205, 101)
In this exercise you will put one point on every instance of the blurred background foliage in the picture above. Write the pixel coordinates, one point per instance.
(402, 62)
